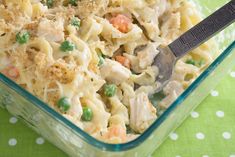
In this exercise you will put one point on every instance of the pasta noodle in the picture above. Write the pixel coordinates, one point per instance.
(91, 60)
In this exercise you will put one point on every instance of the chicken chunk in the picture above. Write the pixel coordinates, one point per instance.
(172, 90)
(142, 113)
(114, 72)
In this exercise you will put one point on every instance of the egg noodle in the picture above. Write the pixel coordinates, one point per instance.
(91, 60)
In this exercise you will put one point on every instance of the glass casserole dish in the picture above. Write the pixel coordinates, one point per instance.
(75, 142)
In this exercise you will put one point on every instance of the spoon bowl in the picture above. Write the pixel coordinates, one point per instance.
(165, 61)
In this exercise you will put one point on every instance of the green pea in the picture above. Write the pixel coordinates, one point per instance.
(63, 104)
(67, 46)
(49, 3)
(110, 90)
(87, 114)
(76, 22)
(190, 61)
(73, 2)
(196, 63)
(101, 60)
(22, 37)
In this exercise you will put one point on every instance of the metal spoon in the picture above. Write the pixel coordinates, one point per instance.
(190, 40)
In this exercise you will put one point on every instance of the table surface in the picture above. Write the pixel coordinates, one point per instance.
(208, 132)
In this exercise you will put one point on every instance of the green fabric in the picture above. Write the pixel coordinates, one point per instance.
(208, 132)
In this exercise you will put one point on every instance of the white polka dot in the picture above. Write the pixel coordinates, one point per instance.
(177, 156)
(194, 114)
(232, 74)
(226, 135)
(174, 136)
(12, 142)
(220, 114)
(200, 136)
(214, 93)
(205, 156)
(40, 140)
(233, 155)
(13, 120)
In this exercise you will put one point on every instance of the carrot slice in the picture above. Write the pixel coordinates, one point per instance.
(116, 131)
(11, 72)
(124, 61)
(121, 22)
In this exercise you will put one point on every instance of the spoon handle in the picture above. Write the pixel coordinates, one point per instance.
(203, 31)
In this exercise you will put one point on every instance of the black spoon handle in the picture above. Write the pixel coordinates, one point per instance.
(203, 31)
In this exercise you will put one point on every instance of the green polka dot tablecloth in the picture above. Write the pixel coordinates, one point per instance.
(208, 132)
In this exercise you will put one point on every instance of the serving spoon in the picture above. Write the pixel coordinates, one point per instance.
(167, 57)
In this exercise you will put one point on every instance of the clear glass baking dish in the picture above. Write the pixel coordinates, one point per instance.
(76, 142)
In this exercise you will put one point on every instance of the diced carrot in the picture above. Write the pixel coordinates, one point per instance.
(116, 131)
(124, 61)
(11, 72)
(121, 22)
